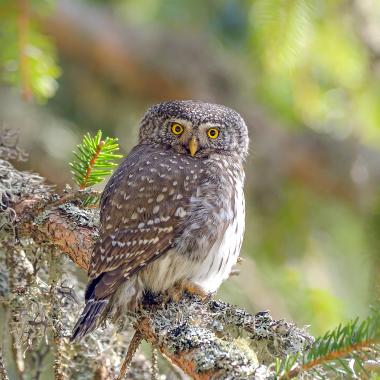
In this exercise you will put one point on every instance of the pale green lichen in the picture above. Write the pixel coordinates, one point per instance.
(9, 148)
(81, 217)
(203, 329)
(42, 217)
(269, 338)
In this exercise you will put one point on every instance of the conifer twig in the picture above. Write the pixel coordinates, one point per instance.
(94, 160)
(91, 164)
(344, 342)
(333, 355)
(133, 346)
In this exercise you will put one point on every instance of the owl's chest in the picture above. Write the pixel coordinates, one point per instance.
(208, 242)
(220, 255)
(207, 259)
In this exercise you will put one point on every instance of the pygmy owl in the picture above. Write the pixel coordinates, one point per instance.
(172, 213)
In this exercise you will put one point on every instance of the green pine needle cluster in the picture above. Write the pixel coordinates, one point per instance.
(342, 351)
(95, 159)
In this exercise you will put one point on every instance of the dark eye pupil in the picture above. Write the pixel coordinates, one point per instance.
(212, 132)
(177, 129)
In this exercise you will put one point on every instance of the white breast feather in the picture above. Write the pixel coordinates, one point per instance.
(225, 251)
(219, 259)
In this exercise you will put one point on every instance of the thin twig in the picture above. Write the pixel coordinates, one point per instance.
(72, 196)
(154, 363)
(10, 254)
(91, 164)
(39, 356)
(133, 346)
(333, 355)
(55, 274)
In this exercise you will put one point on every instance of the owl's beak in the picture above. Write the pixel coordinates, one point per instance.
(193, 146)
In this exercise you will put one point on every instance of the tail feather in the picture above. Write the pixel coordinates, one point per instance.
(89, 319)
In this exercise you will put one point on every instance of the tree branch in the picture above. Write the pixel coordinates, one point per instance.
(197, 336)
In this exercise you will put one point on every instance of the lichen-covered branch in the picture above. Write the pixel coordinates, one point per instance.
(38, 284)
(199, 337)
(67, 227)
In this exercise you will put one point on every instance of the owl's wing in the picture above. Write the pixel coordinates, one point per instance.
(142, 211)
(127, 252)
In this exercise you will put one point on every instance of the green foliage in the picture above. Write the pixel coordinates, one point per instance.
(284, 30)
(314, 68)
(342, 351)
(94, 160)
(27, 56)
(308, 248)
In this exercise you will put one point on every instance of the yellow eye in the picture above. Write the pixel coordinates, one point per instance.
(213, 133)
(177, 129)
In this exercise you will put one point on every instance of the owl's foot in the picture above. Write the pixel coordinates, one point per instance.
(195, 289)
(176, 292)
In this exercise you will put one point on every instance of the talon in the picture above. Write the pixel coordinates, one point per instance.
(176, 292)
(196, 290)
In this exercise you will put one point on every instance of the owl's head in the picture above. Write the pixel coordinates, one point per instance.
(195, 128)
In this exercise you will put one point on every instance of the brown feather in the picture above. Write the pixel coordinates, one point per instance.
(133, 233)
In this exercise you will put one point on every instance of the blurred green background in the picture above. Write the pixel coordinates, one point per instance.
(304, 74)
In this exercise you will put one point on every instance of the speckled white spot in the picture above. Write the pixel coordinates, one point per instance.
(181, 212)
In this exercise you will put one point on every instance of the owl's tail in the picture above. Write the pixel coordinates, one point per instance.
(107, 302)
(90, 319)
(93, 313)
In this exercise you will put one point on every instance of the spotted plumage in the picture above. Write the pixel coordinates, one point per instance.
(173, 211)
